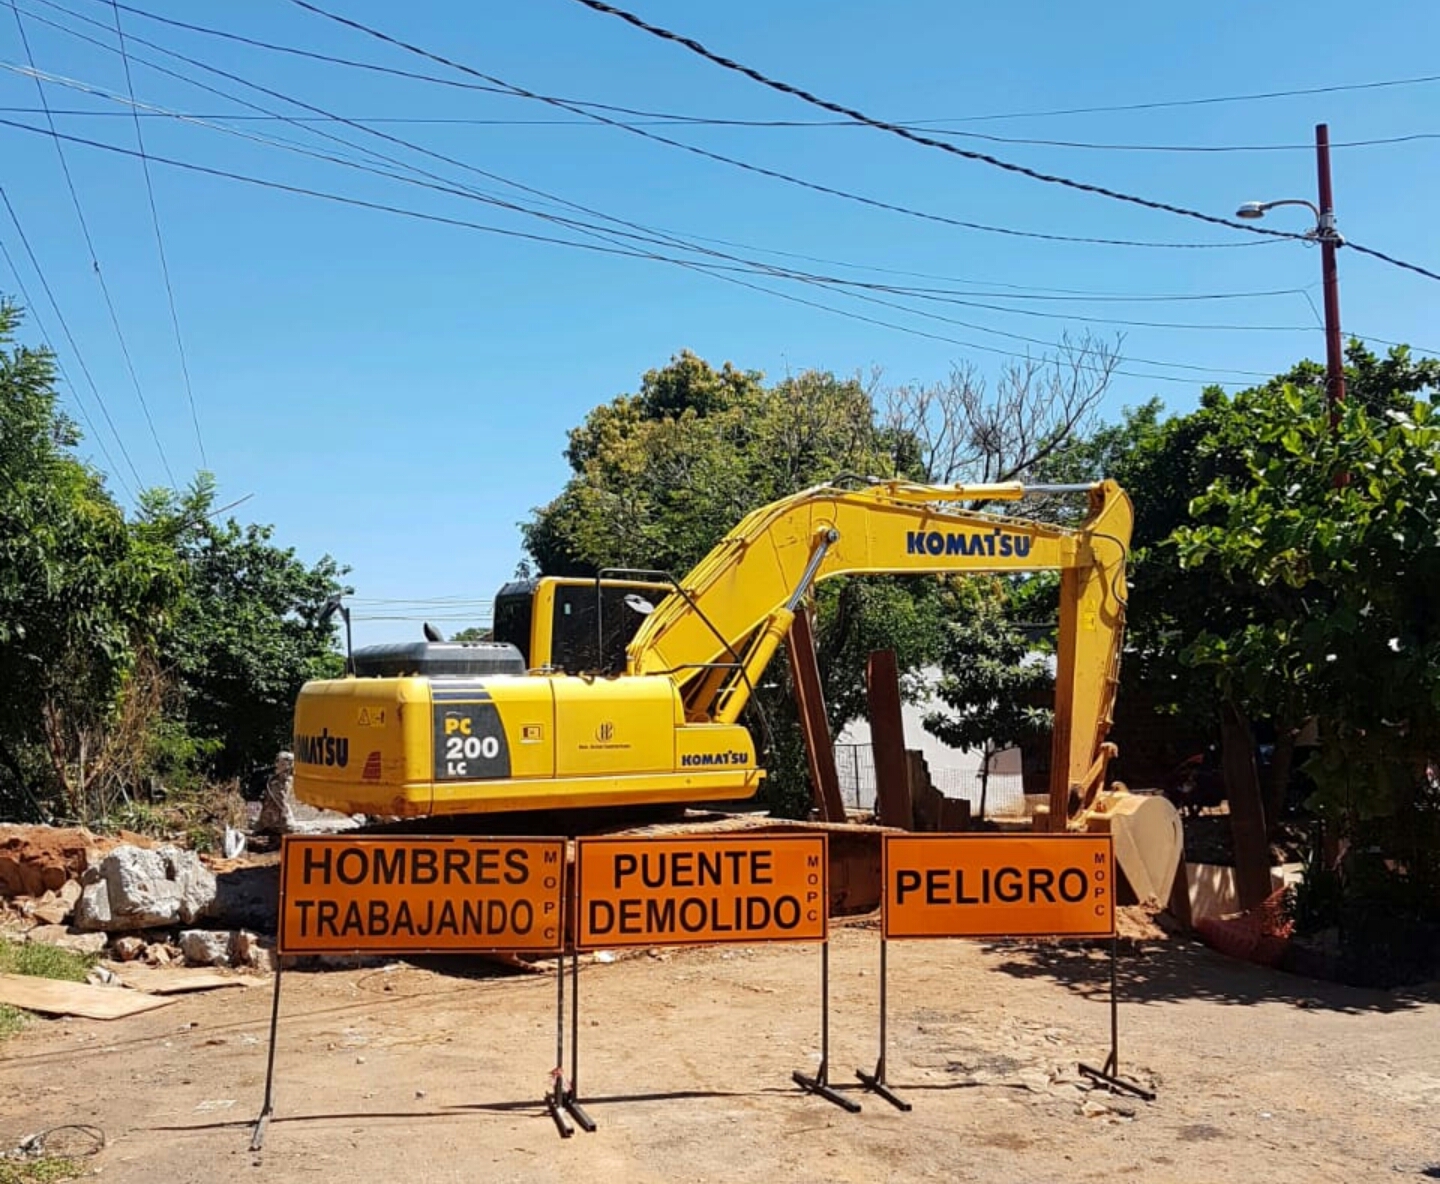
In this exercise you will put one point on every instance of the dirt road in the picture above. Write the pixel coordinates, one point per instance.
(411, 1074)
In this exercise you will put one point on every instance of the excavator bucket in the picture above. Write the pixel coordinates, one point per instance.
(1149, 840)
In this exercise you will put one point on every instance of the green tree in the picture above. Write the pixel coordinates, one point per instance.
(163, 647)
(247, 630)
(81, 599)
(659, 477)
(1178, 690)
(1347, 617)
(991, 678)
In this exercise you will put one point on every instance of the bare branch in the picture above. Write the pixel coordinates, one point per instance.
(965, 433)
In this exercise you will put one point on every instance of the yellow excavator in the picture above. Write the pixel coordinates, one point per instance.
(446, 729)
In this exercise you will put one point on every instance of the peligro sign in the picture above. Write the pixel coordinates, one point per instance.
(693, 890)
(998, 886)
(398, 896)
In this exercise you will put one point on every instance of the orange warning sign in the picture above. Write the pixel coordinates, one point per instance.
(999, 886)
(413, 895)
(688, 891)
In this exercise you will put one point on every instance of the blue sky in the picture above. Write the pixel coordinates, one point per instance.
(396, 392)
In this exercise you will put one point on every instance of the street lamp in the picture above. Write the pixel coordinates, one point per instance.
(1328, 237)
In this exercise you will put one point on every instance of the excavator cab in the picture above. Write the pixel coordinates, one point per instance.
(574, 625)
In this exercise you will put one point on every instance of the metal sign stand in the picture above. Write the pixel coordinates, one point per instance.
(1110, 1074)
(562, 1098)
(875, 1082)
(257, 1139)
(819, 1084)
(570, 1097)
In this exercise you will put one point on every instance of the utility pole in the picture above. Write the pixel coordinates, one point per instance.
(1329, 239)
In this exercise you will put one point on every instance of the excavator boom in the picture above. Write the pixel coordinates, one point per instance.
(734, 608)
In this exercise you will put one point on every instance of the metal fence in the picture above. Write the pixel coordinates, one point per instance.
(855, 764)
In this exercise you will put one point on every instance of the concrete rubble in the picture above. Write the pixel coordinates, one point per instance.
(134, 902)
(134, 888)
(221, 947)
(206, 947)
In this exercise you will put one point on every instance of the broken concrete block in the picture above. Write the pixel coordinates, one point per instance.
(93, 909)
(55, 907)
(144, 889)
(127, 949)
(196, 883)
(206, 947)
(246, 947)
(67, 939)
(159, 954)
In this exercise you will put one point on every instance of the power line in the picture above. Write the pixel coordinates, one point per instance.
(949, 296)
(94, 258)
(883, 125)
(747, 266)
(648, 235)
(989, 349)
(962, 298)
(1392, 260)
(1064, 294)
(1254, 96)
(907, 134)
(796, 277)
(679, 120)
(995, 116)
(160, 243)
(589, 111)
(941, 295)
(480, 621)
(533, 237)
(446, 185)
(453, 602)
(1092, 146)
(1017, 291)
(70, 337)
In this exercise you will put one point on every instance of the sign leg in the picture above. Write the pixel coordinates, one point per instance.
(819, 1084)
(257, 1138)
(875, 1082)
(1109, 1076)
(555, 1098)
(570, 1099)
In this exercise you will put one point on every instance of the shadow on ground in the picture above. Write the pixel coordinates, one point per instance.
(1157, 973)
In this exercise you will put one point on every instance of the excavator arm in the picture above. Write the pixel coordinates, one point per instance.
(733, 610)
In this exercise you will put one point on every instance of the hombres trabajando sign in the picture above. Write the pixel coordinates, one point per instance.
(413, 895)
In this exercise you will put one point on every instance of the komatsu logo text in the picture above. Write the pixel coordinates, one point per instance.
(323, 749)
(993, 543)
(694, 759)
